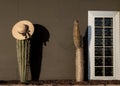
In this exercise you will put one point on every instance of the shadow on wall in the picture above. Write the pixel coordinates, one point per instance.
(40, 37)
(86, 41)
(85, 47)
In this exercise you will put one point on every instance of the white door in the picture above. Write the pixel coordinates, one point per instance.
(104, 45)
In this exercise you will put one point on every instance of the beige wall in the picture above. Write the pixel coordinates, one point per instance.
(57, 16)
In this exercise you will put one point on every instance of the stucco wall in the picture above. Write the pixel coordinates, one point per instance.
(57, 16)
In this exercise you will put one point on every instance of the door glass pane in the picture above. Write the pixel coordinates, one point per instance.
(108, 42)
(108, 22)
(98, 61)
(108, 61)
(108, 31)
(108, 71)
(98, 31)
(98, 41)
(108, 51)
(98, 51)
(98, 71)
(98, 21)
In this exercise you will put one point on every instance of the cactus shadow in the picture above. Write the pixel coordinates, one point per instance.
(86, 42)
(39, 38)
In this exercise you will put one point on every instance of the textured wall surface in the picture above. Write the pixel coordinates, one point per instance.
(58, 85)
(57, 16)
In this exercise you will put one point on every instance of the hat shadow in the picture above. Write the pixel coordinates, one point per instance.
(38, 40)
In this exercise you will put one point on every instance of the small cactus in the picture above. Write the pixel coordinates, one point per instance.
(79, 62)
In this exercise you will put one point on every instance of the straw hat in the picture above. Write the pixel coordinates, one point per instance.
(22, 30)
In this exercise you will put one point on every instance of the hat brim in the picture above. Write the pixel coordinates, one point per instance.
(19, 36)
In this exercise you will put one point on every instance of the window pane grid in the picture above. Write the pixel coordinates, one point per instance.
(103, 47)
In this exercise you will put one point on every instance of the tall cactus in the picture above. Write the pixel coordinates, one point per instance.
(23, 49)
(22, 31)
(79, 62)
